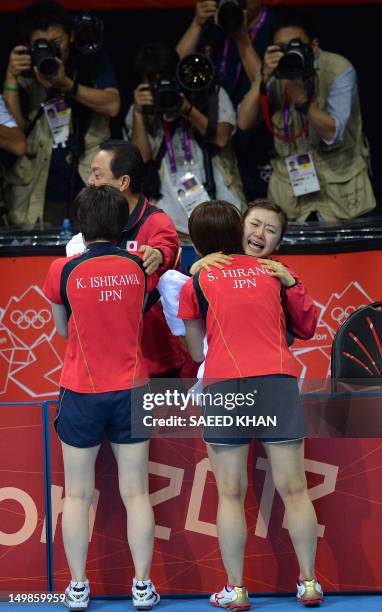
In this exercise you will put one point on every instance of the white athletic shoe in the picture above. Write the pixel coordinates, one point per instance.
(309, 592)
(144, 594)
(235, 598)
(77, 595)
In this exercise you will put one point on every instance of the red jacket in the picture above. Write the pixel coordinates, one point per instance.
(300, 311)
(149, 225)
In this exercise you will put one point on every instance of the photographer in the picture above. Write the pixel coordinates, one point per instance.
(190, 160)
(235, 33)
(62, 98)
(309, 101)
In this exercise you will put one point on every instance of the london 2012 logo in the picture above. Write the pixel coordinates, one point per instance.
(28, 356)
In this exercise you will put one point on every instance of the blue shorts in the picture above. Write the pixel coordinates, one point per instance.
(84, 419)
(269, 410)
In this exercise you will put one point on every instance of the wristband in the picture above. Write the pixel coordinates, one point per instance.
(10, 88)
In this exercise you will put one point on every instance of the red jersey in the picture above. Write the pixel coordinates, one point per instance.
(103, 291)
(245, 321)
(152, 226)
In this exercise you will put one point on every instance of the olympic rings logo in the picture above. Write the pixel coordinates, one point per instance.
(340, 314)
(31, 318)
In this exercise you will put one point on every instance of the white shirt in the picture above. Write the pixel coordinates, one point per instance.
(5, 117)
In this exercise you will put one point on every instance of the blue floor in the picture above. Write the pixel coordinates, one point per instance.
(343, 603)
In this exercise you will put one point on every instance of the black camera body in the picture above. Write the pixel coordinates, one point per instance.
(88, 34)
(166, 95)
(44, 54)
(230, 14)
(297, 61)
(195, 76)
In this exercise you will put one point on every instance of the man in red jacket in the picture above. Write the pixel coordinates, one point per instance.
(151, 233)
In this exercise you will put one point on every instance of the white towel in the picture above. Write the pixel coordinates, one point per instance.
(169, 286)
(75, 246)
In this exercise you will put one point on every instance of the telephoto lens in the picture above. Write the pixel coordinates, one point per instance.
(195, 72)
(230, 15)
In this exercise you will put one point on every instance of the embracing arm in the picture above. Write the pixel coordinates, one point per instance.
(300, 311)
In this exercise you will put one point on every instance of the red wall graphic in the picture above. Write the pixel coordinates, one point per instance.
(344, 475)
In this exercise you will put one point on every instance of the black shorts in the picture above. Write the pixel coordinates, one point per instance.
(84, 419)
(264, 407)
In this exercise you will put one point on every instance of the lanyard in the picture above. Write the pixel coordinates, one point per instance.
(285, 137)
(186, 144)
(253, 31)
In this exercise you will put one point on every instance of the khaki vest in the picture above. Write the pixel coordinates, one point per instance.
(26, 182)
(342, 168)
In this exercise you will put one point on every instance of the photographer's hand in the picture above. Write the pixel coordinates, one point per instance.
(204, 9)
(320, 120)
(19, 60)
(271, 60)
(142, 97)
(296, 90)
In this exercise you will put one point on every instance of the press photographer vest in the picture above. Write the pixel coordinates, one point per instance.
(26, 182)
(342, 168)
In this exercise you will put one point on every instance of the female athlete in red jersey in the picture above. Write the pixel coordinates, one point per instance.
(248, 305)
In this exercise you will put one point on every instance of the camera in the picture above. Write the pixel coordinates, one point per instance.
(230, 15)
(195, 75)
(88, 34)
(297, 61)
(45, 54)
(167, 99)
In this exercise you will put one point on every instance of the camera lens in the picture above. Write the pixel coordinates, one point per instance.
(48, 68)
(230, 15)
(195, 72)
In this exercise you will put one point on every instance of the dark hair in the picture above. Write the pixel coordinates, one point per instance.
(127, 159)
(289, 18)
(267, 205)
(155, 59)
(41, 15)
(216, 226)
(102, 213)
